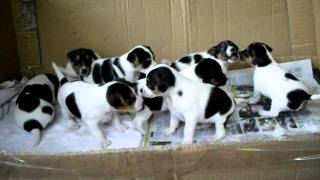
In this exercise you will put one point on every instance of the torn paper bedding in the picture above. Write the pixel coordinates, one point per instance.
(8, 93)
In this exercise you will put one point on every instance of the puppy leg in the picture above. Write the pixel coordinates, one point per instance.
(256, 96)
(118, 125)
(96, 132)
(220, 130)
(140, 118)
(274, 110)
(188, 132)
(174, 122)
(70, 122)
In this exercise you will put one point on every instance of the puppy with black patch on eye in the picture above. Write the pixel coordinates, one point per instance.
(96, 104)
(129, 66)
(79, 63)
(34, 108)
(287, 93)
(225, 52)
(186, 104)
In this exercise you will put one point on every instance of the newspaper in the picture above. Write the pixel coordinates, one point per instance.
(245, 124)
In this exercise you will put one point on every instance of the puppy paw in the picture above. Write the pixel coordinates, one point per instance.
(105, 144)
(72, 126)
(168, 131)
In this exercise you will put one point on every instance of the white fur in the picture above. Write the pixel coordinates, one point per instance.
(190, 106)
(270, 81)
(93, 106)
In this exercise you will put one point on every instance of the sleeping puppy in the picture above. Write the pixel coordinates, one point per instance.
(96, 104)
(212, 106)
(129, 66)
(286, 92)
(226, 52)
(79, 63)
(34, 108)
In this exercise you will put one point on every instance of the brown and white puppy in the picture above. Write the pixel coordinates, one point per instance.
(189, 101)
(96, 104)
(79, 63)
(287, 93)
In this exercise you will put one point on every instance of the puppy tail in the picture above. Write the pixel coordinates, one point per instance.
(315, 97)
(61, 77)
(36, 136)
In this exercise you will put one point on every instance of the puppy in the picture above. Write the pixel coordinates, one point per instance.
(79, 63)
(95, 104)
(184, 102)
(34, 108)
(206, 71)
(226, 52)
(129, 66)
(286, 92)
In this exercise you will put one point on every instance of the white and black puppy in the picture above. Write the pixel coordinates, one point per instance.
(287, 93)
(225, 52)
(129, 66)
(96, 104)
(206, 71)
(34, 108)
(79, 63)
(186, 104)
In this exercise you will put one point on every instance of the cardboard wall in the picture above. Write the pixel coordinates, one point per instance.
(176, 27)
(9, 68)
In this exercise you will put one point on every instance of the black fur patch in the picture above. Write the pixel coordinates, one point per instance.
(120, 95)
(63, 81)
(72, 105)
(116, 62)
(55, 81)
(180, 93)
(290, 76)
(186, 60)
(96, 74)
(210, 71)
(197, 58)
(259, 54)
(160, 78)
(174, 66)
(32, 124)
(154, 104)
(29, 98)
(107, 72)
(140, 56)
(47, 110)
(218, 102)
(296, 97)
(142, 75)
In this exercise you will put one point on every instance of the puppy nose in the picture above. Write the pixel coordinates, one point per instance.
(84, 71)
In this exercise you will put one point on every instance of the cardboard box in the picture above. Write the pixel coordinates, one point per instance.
(174, 28)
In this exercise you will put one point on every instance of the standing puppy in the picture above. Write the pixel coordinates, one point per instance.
(79, 63)
(129, 66)
(212, 106)
(226, 52)
(34, 108)
(95, 104)
(287, 92)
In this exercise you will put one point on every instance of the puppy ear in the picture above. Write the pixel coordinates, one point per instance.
(116, 100)
(213, 51)
(268, 47)
(132, 57)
